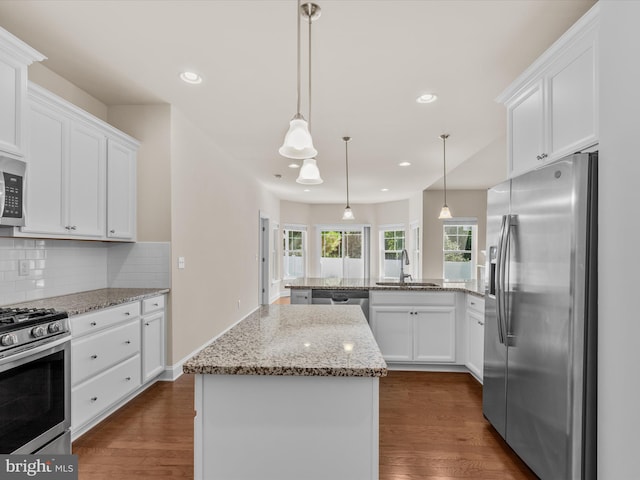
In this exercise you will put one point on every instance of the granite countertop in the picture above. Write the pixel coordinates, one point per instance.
(372, 284)
(303, 340)
(82, 302)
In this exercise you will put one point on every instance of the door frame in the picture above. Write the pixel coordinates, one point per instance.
(264, 233)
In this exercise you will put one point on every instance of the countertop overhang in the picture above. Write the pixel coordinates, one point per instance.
(372, 284)
(302, 340)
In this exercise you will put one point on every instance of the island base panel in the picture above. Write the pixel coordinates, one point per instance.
(286, 427)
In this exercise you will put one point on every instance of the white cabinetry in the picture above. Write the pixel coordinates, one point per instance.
(113, 353)
(15, 57)
(152, 337)
(475, 335)
(81, 174)
(552, 108)
(300, 296)
(414, 326)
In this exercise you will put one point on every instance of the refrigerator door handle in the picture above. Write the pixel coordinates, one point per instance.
(500, 271)
(511, 221)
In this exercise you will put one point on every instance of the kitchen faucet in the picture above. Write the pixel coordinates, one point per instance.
(404, 260)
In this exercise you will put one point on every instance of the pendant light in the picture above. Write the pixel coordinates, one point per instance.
(309, 172)
(348, 214)
(298, 143)
(445, 212)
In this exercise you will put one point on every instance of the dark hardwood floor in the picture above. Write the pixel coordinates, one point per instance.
(431, 427)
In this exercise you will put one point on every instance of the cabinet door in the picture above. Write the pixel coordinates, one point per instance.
(12, 95)
(302, 297)
(85, 181)
(121, 191)
(573, 100)
(46, 147)
(526, 130)
(475, 343)
(152, 346)
(434, 334)
(393, 330)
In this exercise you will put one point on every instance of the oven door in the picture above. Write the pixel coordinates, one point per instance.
(35, 393)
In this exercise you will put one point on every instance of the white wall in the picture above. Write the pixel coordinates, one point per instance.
(619, 229)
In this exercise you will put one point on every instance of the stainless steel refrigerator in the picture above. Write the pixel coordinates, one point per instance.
(539, 387)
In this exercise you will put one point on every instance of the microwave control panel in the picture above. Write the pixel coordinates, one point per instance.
(12, 195)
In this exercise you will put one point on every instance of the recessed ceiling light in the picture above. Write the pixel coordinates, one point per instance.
(294, 165)
(384, 189)
(427, 98)
(404, 164)
(191, 77)
(307, 190)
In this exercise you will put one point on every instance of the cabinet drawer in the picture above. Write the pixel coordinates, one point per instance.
(92, 322)
(475, 303)
(300, 296)
(98, 394)
(412, 298)
(93, 353)
(153, 304)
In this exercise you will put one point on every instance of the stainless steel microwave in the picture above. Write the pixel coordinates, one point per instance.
(12, 188)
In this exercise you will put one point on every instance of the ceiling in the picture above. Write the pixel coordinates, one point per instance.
(371, 59)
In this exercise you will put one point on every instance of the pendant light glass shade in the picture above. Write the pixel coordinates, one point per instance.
(298, 144)
(444, 212)
(348, 214)
(309, 173)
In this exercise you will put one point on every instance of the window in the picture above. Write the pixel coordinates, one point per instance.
(294, 252)
(392, 242)
(343, 252)
(459, 250)
(416, 258)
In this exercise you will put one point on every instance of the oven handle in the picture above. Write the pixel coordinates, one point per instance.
(42, 350)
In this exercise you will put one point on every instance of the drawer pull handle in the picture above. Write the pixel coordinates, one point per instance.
(128, 379)
(93, 324)
(93, 357)
(473, 303)
(127, 313)
(480, 323)
(156, 305)
(93, 399)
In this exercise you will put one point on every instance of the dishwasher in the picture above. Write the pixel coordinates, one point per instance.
(342, 297)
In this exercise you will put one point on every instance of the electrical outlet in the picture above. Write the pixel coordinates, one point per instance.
(180, 262)
(23, 268)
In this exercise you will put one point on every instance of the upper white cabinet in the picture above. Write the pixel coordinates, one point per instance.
(552, 106)
(121, 190)
(15, 57)
(81, 174)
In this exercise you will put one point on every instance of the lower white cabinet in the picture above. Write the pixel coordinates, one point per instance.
(414, 326)
(114, 352)
(475, 335)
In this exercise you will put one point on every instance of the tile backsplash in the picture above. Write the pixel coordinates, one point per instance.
(59, 267)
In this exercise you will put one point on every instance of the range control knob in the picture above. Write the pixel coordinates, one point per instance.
(54, 327)
(38, 332)
(8, 340)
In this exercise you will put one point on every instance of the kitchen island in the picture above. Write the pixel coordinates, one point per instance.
(289, 392)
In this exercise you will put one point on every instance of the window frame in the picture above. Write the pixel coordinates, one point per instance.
(363, 230)
(382, 229)
(461, 222)
(286, 251)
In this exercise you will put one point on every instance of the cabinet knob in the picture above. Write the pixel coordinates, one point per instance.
(112, 231)
(157, 305)
(146, 323)
(93, 399)
(127, 313)
(93, 324)
(480, 323)
(93, 357)
(128, 342)
(128, 379)
(72, 227)
(542, 157)
(67, 227)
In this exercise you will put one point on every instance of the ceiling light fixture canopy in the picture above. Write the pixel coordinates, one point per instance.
(445, 212)
(348, 213)
(298, 143)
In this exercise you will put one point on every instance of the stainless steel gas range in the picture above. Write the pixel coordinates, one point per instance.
(35, 388)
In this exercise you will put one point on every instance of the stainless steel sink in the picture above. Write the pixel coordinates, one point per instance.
(407, 284)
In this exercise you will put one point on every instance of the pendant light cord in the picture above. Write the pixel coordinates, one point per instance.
(444, 162)
(346, 156)
(299, 75)
(310, 21)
